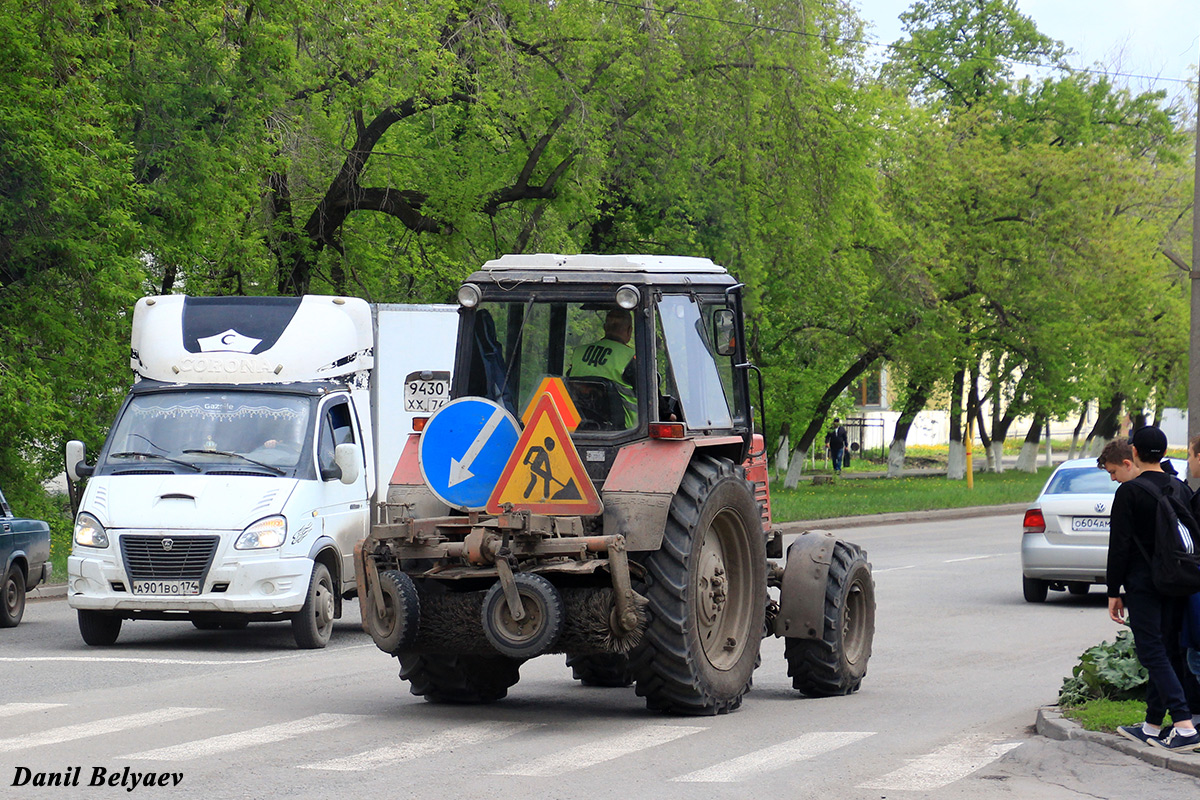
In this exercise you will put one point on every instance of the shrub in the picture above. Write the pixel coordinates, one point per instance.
(1108, 671)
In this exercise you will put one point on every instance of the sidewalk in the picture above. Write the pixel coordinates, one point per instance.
(1053, 725)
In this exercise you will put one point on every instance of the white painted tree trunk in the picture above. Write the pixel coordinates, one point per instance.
(781, 456)
(996, 457)
(896, 458)
(1027, 461)
(956, 465)
(1049, 449)
(795, 469)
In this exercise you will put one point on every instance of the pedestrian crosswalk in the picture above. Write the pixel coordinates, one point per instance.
(519, 750)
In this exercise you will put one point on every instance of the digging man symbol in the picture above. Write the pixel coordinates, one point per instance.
(538, 460)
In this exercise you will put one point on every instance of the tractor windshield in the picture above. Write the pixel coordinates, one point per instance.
(590, 345)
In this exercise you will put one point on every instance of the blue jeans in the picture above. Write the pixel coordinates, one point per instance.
(836, 455)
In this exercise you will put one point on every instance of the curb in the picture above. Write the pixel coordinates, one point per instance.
(1053, 725)
(898, 518)
(47, 591)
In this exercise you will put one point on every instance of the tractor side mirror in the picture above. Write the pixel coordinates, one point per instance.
(724, 332)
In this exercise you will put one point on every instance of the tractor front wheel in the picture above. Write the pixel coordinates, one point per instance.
(836, 663)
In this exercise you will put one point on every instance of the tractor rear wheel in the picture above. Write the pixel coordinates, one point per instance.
(707, 586)
(446, 678)
(836, 663)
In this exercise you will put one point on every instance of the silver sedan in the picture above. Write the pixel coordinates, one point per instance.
(1065, 544)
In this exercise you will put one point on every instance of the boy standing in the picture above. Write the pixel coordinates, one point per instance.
(1154, 618)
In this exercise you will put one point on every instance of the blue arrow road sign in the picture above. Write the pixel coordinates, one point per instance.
(464, 448)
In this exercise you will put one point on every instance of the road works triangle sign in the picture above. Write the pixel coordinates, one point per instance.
(562, 399)
(545, 474)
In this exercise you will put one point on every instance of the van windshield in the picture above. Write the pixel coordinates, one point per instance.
(210, 430)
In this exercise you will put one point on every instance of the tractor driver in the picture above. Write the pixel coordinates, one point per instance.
(611, 358)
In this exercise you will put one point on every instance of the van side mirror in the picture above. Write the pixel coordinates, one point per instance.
(724, 332)
(347, 459)
(76, 455)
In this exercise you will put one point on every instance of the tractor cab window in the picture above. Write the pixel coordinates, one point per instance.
(589, 345)
(695, 375)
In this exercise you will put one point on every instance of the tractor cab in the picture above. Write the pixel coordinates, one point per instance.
(647, 346)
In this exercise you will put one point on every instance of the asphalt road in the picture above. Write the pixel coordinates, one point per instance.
(960, 665)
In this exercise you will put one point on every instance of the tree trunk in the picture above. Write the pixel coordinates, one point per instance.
(805, 442)
(956, 466)
(974, 409)
(1027, 460)
(1078, 427)
(1108, 424)
(795, 469)
(912, 406)
(782, 449)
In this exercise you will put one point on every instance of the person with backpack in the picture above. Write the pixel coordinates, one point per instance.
(1155, 615)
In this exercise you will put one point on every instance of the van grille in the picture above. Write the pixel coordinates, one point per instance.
(168, 557)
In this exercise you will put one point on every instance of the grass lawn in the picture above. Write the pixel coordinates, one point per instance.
(852, 496)
(1107, 715)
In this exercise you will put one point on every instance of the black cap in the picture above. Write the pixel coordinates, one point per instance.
(1151, 443)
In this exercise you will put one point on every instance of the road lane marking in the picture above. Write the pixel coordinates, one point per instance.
(99, 728)
(13, 709)
(599, 751)
(247, 739)
(892, 569)
(975, 558)
(174, 662)
(463, 736)
(944, 766)
(774, 757)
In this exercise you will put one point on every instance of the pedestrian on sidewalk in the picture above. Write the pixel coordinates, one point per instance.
(1154, 618)
(837, 440)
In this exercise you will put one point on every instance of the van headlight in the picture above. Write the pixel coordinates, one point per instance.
(89, 532)
(269, 532)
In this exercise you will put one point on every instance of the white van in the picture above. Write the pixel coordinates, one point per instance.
(242, 467)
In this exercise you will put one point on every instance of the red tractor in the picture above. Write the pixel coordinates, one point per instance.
(638, 544)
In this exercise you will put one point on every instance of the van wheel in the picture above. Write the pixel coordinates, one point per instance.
(707, 586)
(312, 624)
(836, 663)
(12, 604)
(447, 678)
(98, 628)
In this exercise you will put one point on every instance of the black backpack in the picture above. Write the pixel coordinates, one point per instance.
(1175, 562)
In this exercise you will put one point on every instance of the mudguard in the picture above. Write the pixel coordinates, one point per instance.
(802, 593)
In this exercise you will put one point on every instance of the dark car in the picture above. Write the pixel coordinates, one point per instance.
(25, 558)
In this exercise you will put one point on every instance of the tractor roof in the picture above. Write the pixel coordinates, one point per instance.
(603, 270)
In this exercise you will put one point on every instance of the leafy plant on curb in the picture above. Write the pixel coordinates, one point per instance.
(1105, 671)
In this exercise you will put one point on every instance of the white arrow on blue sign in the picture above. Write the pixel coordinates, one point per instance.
(464, 449)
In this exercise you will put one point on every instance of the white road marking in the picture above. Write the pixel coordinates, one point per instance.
(247, 739)
(13, 709)
(892, 569)
(172, 662)
(599, 751)
(949, 764)
(437, 743)
(774, 757)
(972, 558)
(99, 728)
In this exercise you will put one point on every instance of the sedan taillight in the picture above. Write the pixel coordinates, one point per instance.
(1034, 521)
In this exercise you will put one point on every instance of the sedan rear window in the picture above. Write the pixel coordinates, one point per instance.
(1086, 480)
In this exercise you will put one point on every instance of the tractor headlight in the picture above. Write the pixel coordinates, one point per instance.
(628, 296)
(268, 532)
(89, 532)
(469, 295)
